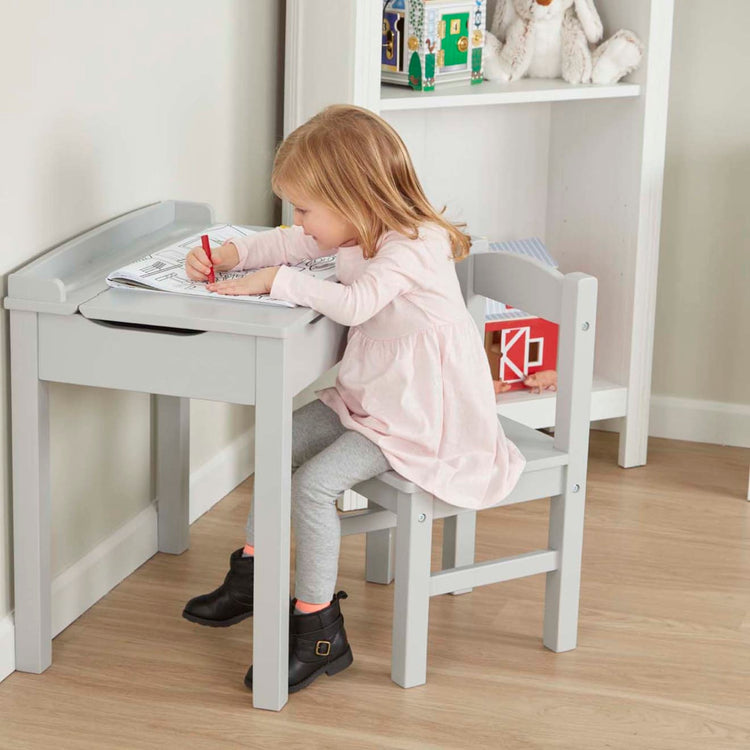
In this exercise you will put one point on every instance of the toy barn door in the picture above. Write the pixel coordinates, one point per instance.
(514, 361)
(454, 31)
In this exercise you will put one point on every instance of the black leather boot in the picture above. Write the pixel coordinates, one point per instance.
(232, 602)
(317, 644)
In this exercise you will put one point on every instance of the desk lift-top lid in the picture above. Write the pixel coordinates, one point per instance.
(71, 278)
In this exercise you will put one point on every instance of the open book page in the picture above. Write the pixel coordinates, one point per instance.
(164, 269)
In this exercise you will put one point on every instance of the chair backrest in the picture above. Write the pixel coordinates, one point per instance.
(566, 299)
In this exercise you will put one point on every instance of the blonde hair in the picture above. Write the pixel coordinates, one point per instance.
(356, 164)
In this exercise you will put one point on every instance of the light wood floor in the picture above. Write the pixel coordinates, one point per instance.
(663, 659)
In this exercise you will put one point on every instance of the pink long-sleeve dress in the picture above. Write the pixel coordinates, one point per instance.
(414, 378)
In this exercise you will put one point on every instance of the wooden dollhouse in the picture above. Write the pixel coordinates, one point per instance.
(519, 344)
(429, 41)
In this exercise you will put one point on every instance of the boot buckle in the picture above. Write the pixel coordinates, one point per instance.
(322, 648)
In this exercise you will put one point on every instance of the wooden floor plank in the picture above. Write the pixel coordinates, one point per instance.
(663, 659)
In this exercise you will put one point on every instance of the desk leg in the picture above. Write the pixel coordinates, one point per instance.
(173, 472)
(31, 498)
(273, 457)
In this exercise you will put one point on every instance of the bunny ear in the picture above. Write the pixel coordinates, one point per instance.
(589, 18)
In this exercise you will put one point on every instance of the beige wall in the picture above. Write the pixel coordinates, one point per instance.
(108, 106)
(702, 339)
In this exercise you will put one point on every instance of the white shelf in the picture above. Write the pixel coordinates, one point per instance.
(529, 90)
(608, 400)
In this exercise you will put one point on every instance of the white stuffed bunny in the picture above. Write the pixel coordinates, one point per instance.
(553, 39)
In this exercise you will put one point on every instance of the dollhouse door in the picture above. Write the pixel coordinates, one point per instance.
(455, 44)
(514, 361)
(392, 44)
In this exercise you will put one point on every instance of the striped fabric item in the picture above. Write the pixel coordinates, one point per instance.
(531, 248)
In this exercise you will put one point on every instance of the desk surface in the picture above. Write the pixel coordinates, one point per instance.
(71, 278)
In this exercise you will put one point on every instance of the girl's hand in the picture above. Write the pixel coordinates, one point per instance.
(258, 282)
(197, 265)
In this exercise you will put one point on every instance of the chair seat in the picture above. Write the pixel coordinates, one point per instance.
(537, 448)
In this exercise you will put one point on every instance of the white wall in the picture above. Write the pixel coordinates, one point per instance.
(107, 106)
(701, 351)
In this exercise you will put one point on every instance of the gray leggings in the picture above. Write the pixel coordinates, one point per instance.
(326, 460)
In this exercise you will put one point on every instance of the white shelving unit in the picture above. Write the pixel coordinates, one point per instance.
(579, 166)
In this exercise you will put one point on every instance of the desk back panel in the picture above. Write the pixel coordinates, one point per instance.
(76, 270)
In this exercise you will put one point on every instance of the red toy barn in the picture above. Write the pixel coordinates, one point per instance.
(519, 344)
(518, 347)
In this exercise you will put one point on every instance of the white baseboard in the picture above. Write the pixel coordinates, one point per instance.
(97, 573)
(700, 421)
(7, 646)
(694, 420)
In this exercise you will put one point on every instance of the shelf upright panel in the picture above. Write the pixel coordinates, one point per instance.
(634, 441)
(329, 59)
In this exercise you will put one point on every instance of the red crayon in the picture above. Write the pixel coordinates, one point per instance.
(207, 248)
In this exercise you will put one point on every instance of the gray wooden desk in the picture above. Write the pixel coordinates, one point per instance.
(67, 326)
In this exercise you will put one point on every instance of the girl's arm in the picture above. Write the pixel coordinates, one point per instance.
(396, 269)
(276, 247)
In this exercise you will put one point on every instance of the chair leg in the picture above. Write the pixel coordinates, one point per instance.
(563, 584)
(459, 533)
(379, 556)
(411, 602)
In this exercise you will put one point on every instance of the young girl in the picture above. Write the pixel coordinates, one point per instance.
(414, 390)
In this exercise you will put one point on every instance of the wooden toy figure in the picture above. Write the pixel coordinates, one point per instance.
(521, 348)
(429, 41)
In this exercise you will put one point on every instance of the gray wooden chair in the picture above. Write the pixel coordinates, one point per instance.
(555, 468)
